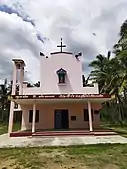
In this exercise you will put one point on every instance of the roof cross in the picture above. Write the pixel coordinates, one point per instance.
(61, 46)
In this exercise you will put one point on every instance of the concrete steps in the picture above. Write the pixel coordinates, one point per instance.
(63, 133)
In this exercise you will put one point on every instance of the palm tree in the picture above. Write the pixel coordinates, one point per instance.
(100, 74)
(111, 74)
(108, 73)
(5, 91)
(120, 49)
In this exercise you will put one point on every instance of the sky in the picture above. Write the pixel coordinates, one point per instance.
(30, 26)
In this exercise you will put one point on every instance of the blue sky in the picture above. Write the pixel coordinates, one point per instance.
(28, 27)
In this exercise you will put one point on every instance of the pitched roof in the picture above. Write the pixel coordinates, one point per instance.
(61, 71)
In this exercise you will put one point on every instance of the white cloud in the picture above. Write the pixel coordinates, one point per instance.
(74, 20)
(79, 19)
(17, 40)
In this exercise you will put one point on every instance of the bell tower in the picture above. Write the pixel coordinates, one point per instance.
(18, 69)
(18, 75)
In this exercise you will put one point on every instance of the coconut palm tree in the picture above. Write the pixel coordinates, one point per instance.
(100, 73)
(120, 49)
(5, 90)
(109, 74)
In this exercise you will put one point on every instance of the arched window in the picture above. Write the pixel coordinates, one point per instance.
(61, 76)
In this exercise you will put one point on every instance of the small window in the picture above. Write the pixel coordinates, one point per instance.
(18, 66)
(15, 106)
(73, 118)
(31, 116)
(86, 115)
(37, 116)
(61, 78)
(96, 111)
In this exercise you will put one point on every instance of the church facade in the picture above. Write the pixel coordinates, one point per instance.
(60, 102)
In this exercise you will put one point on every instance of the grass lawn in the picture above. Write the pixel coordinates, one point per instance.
(78, 157)
(4, 128)
(120, 129)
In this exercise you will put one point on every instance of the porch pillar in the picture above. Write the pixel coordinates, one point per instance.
(21, 81)
(14, 80)
(11, 116)
(90, 116)
(34, 116)
(11, 113)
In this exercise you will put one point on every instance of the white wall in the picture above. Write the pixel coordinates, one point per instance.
(49, 78)
(32, 90)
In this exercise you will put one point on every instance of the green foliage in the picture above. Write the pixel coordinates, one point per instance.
(89, 156)
(5, 91)
(111, 75)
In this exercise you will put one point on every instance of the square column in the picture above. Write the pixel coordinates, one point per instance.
(14, 80)
(21, 80)
(90, 116)
(34, 116)
(11, 116)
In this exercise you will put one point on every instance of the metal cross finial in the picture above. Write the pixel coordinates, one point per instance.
(61, 46)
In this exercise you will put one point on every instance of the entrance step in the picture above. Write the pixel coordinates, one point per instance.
(62, 133)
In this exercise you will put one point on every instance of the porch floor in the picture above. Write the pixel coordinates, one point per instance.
(69, 132)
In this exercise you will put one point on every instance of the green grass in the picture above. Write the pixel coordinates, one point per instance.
(100, 156)
(79, 157)
(120, 129)
(88, 157)
(4, 128)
